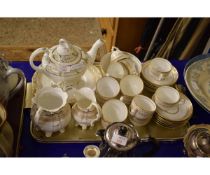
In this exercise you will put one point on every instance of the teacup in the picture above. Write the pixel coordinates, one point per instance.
(86, 112)
(167, 98)
(141, 110)
(160, 68)
(117, 70)
(53, 113)
(107, 88)
(113, 111)
(130, 86)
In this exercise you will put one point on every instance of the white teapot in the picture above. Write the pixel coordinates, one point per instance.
(65, 63)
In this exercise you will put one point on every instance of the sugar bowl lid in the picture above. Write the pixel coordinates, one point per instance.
(65, 53)
(197, 141)
(121, 137)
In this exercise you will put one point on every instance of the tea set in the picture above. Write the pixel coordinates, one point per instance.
(68, 87)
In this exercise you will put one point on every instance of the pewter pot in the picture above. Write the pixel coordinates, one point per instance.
(120, 140)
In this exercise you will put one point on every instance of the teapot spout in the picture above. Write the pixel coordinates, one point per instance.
(93, 51)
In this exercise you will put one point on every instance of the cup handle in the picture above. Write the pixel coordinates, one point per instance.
(19, 84)
(37, 115)
(98, 116)
(34, 54)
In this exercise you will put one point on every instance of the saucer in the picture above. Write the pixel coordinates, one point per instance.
(184, 113)
(169, 80)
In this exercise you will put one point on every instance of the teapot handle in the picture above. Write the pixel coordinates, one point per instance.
(34, 54)
(19, 84)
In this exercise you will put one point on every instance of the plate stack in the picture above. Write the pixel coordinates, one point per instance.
(158, 72)
(172, 117)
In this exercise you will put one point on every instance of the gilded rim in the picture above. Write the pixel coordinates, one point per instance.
(186, 117)
(174, 72)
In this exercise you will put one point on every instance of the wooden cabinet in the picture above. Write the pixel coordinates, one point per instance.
(109, 28)
(124, 33)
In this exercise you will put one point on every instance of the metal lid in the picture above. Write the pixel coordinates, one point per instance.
(65, 53)
(197, 141)
(121, 137)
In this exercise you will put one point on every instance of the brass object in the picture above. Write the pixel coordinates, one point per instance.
(197, 141)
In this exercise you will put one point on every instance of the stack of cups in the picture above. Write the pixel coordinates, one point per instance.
(141, 110)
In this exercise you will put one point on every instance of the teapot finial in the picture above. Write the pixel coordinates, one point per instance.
(63, 47)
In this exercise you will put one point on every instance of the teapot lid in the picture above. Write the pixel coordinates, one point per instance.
(66, 53)
(121, 137)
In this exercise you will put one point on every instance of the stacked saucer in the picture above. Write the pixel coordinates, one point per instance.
(158, 72)
(174, 109)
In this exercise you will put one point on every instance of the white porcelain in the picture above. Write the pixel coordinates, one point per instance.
(142, 108)
(197, 79)
(86, 112)
(89, 79)
(159, 79)
(185, 110)
(113, 111)
(52, 112)
(107, 88)
(116, 70)
(117, 55)
(130, 66)
(167, 98)
(85, 93)
(131, 85)
(65, 62)
(160, 68)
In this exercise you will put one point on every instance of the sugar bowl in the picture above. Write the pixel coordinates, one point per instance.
(86, 111)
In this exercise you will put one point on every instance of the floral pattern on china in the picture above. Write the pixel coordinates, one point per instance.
(197, 78)
(65, 62)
